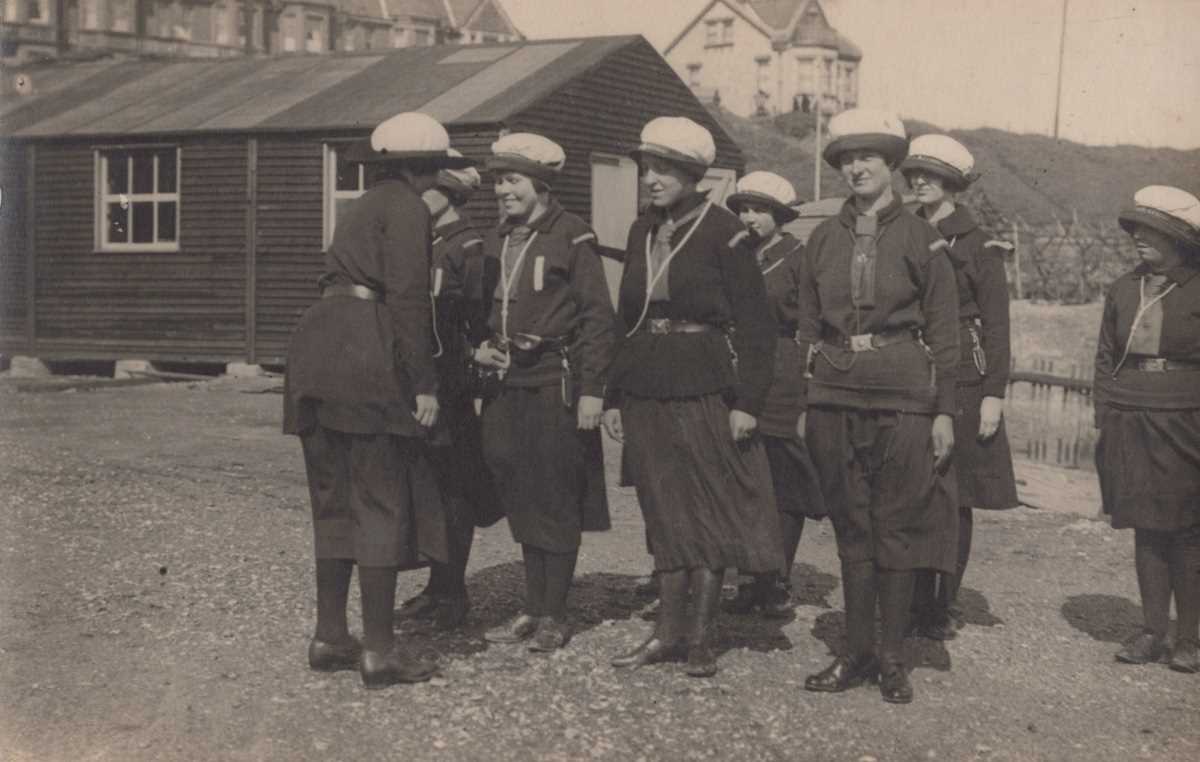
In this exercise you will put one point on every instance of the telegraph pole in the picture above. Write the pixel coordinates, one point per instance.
(1062, 46)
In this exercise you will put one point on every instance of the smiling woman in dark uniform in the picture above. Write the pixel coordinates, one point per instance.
(687, 385)
(554, 328)
(879, 320)
(361, 392)
(938, 168)
(765, 202)
(1147, 396)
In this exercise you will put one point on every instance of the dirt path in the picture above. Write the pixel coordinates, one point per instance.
(157, 598)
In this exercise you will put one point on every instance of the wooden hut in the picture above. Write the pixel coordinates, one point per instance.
(177, 210)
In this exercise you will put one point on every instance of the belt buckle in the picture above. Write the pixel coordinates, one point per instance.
(660, 325)
(861, 343)
(1153, 364)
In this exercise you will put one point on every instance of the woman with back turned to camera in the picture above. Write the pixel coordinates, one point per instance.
(1147, 397)
(938, 168)
(879, 320)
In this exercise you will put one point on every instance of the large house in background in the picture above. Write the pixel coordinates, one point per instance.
(767, 57)
(31, 29)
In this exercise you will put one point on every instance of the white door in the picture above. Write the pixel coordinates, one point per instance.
(614, 208)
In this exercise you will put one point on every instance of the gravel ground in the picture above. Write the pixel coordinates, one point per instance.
(157, 598)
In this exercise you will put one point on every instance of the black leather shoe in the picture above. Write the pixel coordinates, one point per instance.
(423, 605)
(746, 600)
(844, 673)
(777, 601)
(652, 651)
(332, 657)
(1185, 657)
(939, 626)
(452, 612)
(649, 612)
(551, 634)
(1143, 648)
(519, 628)
(381, 669)
(894, 686)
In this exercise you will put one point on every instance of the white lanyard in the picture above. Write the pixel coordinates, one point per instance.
(508, 281)
(652, 278)
(770, 245)
(1143, 307)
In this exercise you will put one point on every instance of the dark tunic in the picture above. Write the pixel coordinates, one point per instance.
(460, 323)
(353, 369)
(797, 489)
(870, 413)
(984, 470)
(1148, 457)
(549, 474)
(707, 500)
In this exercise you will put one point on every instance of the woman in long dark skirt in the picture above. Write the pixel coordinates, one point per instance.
(459, 280)
(691, 300)
(1147, 396)
(553, 331)
(879, 321)
(938, 168)
(360, 392)
(765, 202)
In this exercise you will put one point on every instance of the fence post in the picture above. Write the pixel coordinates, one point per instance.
(1017, 258)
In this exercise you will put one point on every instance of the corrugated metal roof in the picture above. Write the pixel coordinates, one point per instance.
(458, 85)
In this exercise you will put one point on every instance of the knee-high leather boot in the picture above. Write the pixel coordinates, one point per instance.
(895, 599)
(666, 641)
(706, 604)
(858, 664)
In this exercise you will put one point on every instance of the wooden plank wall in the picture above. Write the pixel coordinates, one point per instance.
(185, 305)
(14, 324)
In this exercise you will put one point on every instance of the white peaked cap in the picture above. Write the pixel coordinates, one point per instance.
(462, 181)
(862, 128)
(410, 135)
(943, 156)
(679, 139)
(1170, 210)
(768, 189)
(528, 154)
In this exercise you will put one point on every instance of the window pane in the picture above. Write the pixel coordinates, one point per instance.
(118, 223)
(143, 173)
(143, 222)
(166, 171)
(339, 208)
(347, 174)
(166, 221)
(118, 172)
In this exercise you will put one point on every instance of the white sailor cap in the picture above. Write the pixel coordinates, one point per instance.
(461, 181)
(943, 156)
(678, 139)
(406, 137)
(768, 189)
(528, 154)
(861, 128)
(1169, 210)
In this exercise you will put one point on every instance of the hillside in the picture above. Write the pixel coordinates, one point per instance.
(1033, 177)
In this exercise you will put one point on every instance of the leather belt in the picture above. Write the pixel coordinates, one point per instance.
(667, 325)
(868, 342)
(357, 292)
(1163, 365)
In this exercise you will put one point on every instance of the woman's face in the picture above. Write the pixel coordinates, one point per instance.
(866, 172)
(928, 187)
(1157, 250)
(759, 220)
(516, 193)
(666, 181)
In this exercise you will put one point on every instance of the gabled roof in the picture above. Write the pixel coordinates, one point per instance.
(777, 14)
(782, 20)
(433, 10)
(477, 84)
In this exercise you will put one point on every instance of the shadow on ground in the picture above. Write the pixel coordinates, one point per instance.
(1107, 618)
(811, 586)
(974, 609)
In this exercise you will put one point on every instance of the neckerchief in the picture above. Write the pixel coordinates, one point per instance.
(1145, 334)
(659, 253)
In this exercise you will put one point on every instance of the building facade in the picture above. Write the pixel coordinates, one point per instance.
(767, 57)
(31, 29)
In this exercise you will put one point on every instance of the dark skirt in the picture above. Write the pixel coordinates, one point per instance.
(784, 401)
(549, 474)
(1149, 467)
(707, 501)
(886, 501)
(468, 490)
(375, 499)
(794, 477)
(984, 469)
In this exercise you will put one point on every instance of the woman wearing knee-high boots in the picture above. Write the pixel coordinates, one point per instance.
(1147, 397)
(553, 331)
(765, 202)
(360, 392)
(688, 382)
(937, 169)
(879, 322)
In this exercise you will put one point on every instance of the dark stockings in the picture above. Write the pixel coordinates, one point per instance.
(333, 589)
(895, 600)
(793, 528)
(377, 585)
(548, 579)
(448, 580)
(1152, 559)
(535, 580)
(1184, 559)
(858, 592)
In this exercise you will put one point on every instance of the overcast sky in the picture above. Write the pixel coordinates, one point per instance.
(1132, 70)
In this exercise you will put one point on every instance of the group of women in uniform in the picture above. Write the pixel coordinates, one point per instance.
(754, 382)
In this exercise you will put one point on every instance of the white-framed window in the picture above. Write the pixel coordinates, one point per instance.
(805, 80)
(314, 33)
(763, 73)
(727, 31)
(344, 182)
(90, 12)
(137, 199)
(694, 74)
(39, 11)
(712, 33)
(122, 14)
